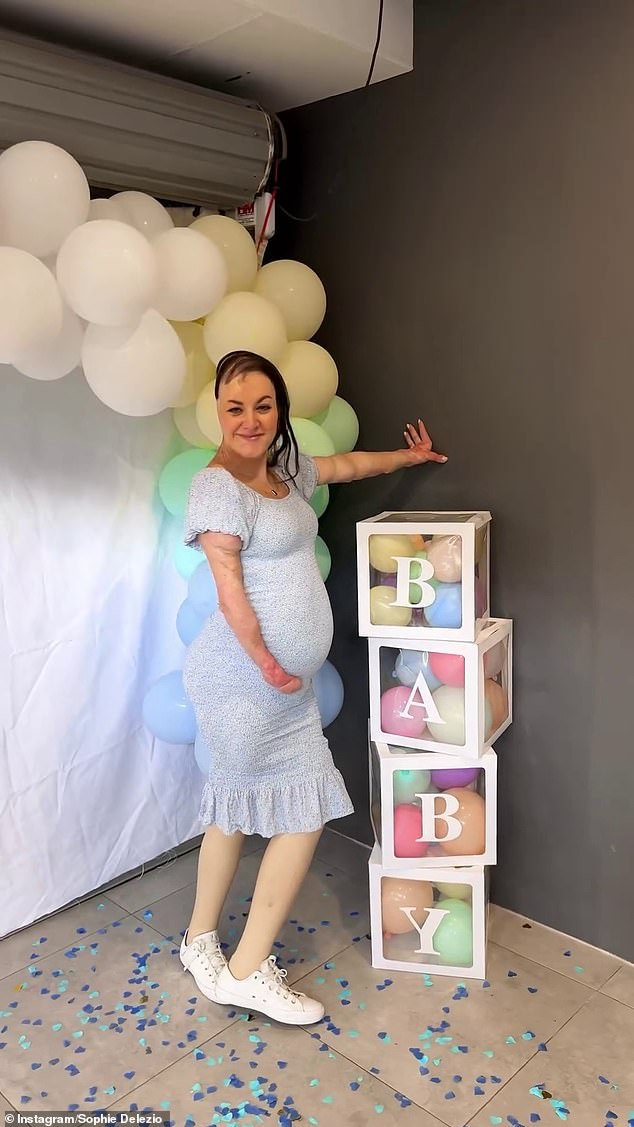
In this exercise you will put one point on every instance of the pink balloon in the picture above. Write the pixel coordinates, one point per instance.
(448, 668)
(392, 704)
(408, 827)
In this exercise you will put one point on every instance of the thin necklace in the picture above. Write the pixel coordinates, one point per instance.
(274, 492)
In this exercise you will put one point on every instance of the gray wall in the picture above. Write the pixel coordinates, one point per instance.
(475, 231)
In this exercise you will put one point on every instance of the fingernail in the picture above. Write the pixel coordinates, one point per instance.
(444, 459)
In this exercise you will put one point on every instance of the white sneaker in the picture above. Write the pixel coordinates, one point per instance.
(204, 959)
(267, 992)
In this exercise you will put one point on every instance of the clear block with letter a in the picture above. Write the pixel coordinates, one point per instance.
(423, 575)
(450, 697)
(428, 920)
(433, 811)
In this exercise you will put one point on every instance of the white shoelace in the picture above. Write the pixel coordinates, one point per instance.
(211, 953)
(275, 978)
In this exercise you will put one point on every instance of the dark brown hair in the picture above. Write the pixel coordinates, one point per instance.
(284, 445)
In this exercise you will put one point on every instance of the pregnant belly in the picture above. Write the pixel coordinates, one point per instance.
(297, 627)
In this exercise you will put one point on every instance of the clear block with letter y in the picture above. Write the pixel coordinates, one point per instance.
(429, 920)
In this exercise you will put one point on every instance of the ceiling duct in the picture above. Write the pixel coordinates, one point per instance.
(130, 129)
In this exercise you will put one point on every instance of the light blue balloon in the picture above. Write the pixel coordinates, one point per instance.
(167, 710)
(188, 622)
(328, 688)
(202, 755)
(201, 590)
(410, 663)
(446, 610)
(186, 559)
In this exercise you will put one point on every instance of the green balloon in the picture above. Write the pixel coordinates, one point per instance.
(453, 939)
(407, 784)
(320, 499)
(341, 423)
(186, 560)
(323, 558)
(311, 438)
(176, 476)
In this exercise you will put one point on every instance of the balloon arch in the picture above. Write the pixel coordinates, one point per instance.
(146, 309)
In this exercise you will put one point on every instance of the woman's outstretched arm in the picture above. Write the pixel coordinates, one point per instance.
(366, 463)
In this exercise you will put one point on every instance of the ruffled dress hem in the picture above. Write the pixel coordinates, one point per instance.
(290, 806)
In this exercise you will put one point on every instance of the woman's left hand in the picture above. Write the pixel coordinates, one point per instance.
(420, 444)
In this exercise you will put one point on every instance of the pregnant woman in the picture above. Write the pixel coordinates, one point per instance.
(248, 675)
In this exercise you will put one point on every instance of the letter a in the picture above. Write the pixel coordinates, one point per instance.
(421, 687)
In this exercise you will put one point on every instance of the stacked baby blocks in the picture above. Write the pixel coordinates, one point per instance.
(440, 695)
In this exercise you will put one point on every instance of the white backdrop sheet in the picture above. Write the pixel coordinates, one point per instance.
(89, 596)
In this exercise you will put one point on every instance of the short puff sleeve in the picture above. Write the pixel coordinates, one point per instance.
(307, 476)
(218, 503)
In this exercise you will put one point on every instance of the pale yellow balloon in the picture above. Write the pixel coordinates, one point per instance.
(245, 321)
(200, 370)
(207, 415)
(310, 375)
(298, 293)
(236, 245)
(186, 424)
(382, 609)
(454, 891)
(383, 548)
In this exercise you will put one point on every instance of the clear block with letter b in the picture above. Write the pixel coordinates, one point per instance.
(429, 920)
(429, 810)
(423, 575)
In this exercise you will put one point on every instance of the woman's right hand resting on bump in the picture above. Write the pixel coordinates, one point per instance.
(277, 677)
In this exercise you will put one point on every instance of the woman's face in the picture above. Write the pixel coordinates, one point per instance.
(247, 412)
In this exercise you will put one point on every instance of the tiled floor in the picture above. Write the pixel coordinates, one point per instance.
(96, 1012)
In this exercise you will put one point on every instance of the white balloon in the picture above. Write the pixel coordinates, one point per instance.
(136, 371)
(143, 212)
(30, 303)
(57, 356)
(107, 272)
(44, 195)
(104, 209)
(207, 415)
(192, 274)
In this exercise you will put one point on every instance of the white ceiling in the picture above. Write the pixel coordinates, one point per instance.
(282, 52)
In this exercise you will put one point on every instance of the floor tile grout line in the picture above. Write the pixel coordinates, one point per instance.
(592, 992)
(187, 1052)
(72, 942)
(372, 1076)
(160, 937)
(545, 966)
(415, 1102)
